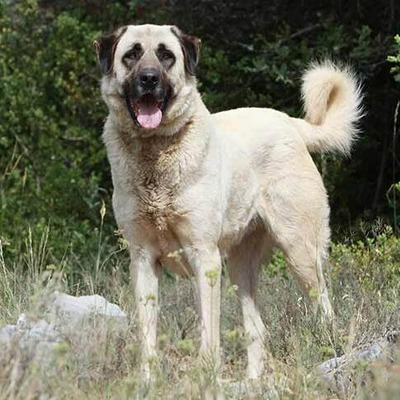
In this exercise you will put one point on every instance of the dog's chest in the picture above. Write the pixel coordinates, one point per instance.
(160, 219)
(156, 205)
(156, 189)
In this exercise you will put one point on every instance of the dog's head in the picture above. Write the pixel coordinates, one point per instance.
(148, 70)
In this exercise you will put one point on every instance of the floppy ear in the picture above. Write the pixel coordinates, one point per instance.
(105, 49)
(191, 49)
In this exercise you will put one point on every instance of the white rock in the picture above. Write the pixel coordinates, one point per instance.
(335, 372)
(34, 339)
(6, 334)
(89, 325)
(33, 332)
(68, 311)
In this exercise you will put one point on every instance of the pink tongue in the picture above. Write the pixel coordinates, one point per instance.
(149, 115)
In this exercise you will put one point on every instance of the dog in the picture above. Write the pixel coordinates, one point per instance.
(192, 189)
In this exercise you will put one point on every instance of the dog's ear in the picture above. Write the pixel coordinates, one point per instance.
(191, 49)
(105, 49)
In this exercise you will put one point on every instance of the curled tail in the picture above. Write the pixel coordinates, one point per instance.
(332, 105)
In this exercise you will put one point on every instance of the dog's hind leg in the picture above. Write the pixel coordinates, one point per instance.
(243, 266)
(297, 215)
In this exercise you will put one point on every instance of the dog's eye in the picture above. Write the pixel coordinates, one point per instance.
(134, 54)
(167, 55)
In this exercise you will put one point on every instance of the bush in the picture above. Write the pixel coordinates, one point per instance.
(53, 166)
(372, 263)
(395, 59)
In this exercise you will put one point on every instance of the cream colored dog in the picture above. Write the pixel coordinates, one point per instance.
(191, 189)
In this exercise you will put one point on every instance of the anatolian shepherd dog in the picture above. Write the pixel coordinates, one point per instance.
(191, 189)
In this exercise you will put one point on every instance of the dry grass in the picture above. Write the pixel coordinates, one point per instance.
(296, 341)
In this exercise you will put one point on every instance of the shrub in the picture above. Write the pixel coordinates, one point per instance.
(53, 166)
(372, 263)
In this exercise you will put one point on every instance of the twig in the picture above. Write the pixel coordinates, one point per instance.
(301, 32)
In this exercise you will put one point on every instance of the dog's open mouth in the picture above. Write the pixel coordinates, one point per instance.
(146, 111)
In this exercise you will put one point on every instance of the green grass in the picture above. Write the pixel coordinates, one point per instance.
(364, 284)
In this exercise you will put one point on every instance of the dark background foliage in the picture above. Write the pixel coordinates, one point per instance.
(53, 169)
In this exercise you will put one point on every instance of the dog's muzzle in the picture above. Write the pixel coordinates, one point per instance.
(147, 97)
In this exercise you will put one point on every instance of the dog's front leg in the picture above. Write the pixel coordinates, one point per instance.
(207, 269)
(144, 273)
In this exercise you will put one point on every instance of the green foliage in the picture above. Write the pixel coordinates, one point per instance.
(265, 69)
(394, 189)
(277, 265)
(52, 159)
(395, 59)
(373, 263)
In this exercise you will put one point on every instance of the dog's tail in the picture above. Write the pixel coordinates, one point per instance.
(332, 104)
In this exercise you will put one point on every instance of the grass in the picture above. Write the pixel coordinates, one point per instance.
(363, 280)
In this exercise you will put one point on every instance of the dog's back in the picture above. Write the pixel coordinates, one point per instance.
(332, 105)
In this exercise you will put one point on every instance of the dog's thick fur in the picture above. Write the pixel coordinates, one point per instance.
(191, 188)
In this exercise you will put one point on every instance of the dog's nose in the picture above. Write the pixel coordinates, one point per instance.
(149, 78)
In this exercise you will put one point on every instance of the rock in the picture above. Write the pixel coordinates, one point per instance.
(87, 324)
(6, 335)
(36, 336)
(336, 372)
(28, 342)
(87, 332)
(28, 334)
(68, 313)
